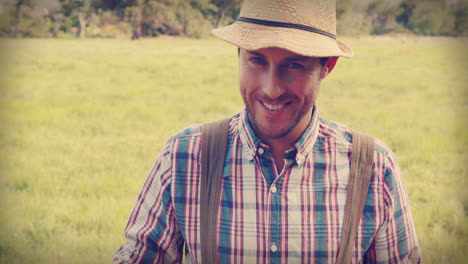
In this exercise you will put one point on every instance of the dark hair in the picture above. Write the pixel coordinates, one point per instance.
(323, 60)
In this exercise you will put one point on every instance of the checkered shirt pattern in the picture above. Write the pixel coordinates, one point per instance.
(266, 216)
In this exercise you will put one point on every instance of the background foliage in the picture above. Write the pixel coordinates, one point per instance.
(195, 18)
(83, 121)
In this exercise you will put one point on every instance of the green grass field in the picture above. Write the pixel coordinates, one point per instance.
(82, 121)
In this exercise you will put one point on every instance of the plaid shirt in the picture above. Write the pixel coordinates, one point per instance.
(292, 216)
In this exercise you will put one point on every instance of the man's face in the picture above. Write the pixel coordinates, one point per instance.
(279, 89)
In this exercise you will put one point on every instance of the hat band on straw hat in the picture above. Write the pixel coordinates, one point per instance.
(304, 27)
(285, 25)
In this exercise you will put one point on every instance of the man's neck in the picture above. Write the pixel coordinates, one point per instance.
(279, 146)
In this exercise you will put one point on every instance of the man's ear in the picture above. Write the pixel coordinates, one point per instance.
(328, 67)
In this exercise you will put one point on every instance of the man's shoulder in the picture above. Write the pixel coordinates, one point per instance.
(190, 132)
(194, 131)
(182, 142)
(338, 132)
(342, 134)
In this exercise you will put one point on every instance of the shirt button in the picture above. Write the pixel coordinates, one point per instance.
(273, 247)
(300, 159)
(261, 151)
(274, 189)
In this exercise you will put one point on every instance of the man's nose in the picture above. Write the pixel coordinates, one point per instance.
(272, 86)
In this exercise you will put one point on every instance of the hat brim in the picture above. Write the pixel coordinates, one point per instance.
(252, 37)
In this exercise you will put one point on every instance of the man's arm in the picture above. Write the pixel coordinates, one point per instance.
(396, 240)
(152, 232)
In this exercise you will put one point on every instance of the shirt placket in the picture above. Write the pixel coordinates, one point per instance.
(273, 181)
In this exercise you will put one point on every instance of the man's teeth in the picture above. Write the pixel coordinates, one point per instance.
(273, 107)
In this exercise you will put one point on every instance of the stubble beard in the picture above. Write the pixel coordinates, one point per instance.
(308, 104)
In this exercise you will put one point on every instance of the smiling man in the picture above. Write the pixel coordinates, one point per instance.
(279, 89)
(288, 174)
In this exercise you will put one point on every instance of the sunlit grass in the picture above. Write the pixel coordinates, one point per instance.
(83, 121)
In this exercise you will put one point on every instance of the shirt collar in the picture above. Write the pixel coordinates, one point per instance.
(302, 147)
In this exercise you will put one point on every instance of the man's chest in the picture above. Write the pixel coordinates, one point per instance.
(270, 217)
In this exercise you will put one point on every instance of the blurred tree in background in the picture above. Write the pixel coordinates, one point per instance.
(351, 19)
(195, 18)
(224, 11)
(77, 13)
(20, 5)
(431, 17)
(460, 13)
(170, 17)
(383, 17)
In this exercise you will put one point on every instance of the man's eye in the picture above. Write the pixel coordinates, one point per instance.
(295, 66)
(256, 60)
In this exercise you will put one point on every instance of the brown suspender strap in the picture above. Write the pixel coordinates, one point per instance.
(358, 185)
(214, 144)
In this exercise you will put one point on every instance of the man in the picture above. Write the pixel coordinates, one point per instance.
(286, 169)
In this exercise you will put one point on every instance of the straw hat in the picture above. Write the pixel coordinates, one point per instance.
(305, 27)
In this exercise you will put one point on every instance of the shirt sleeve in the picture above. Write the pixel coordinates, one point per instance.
(396, 240)
(152, 232)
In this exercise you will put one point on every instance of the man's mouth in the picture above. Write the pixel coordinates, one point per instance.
(275, 107)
